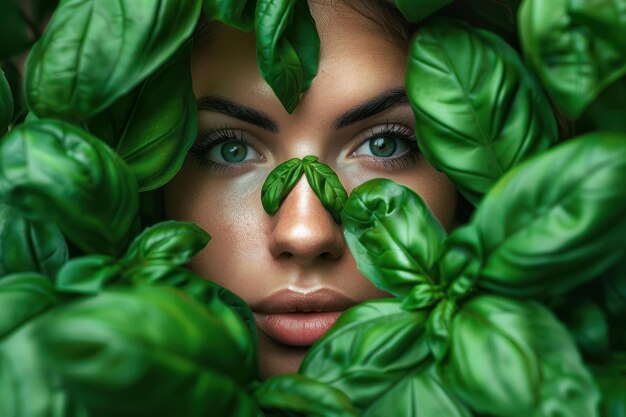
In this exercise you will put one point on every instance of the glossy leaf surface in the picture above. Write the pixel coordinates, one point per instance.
(393, 236)
(287, 48)
(279, 183)
(6, 104)
(29, 246)
(326, 186)
(478, 111)
(576, 48)
(551, 223)
(56, 172)
(152, 127)
(181, 360)
(23, 296)
(88, 274)
(373, 351)
(513, 358)
(93, 52)
(304, 396)
(235, 13)
(416, 10)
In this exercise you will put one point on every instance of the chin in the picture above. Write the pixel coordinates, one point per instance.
(278, 359)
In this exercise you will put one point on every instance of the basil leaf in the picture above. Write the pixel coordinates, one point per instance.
(14, 78)
(288, 47)
(88, 274)
(588, 325)
(181, 360)
(152, 131)
(236, 13)
(29, 246)
(372, 350)
(575, 48)
(93, 52)
(13, 31)
(551, 223)
(326, 186)
(172, 241)
(6, 104)
(23, 296)
(394, 237)
(513, 358)
(302, 395)
(416, 10)
(478, 111)
(56, 172)
(279, 183)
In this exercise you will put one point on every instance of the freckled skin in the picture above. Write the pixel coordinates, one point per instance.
(300, 247)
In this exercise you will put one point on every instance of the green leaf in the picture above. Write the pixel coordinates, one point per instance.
(438, 328)
(6, 104)
(394, 237)
(576, 48)
(22, 297)
(326, 186)
(513, 358)
(611, 378)
(57, 172)
(94, 52)
(14, 78)
(288, 47)
(372, 350)
(279, 183)
(478, 111)
(416, 10)
(13, 30)
(552, 222)
(181, 360)
(588, 325)
(29, 246)
(152, 131)
(303, 395)
(236, 13)
(88, 274)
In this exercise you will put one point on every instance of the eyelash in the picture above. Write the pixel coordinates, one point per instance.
(401, 132)
(209, 139)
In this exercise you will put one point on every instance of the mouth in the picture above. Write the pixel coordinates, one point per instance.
(300, 319)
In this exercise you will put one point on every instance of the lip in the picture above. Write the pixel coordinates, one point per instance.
(300, 318)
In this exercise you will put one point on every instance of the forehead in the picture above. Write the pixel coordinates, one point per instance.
(358, 59)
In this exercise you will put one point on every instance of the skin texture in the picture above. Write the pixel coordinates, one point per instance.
(299, 248)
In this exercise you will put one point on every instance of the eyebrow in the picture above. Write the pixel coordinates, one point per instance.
(385, 101)
(238, 111)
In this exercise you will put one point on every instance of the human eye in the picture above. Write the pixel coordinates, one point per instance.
(224, 148)
(393, 145)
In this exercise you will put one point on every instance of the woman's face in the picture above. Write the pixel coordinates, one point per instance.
(294, 268)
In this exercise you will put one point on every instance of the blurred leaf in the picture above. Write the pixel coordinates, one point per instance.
(279, 183)
(23, 296)
(152, 131)
(416, 10)
(88, 274)
(614, 283)
(94, 52)
(6, 104)
(611, 378)
(29, 246)
(513, 358)
(56, 172)
(577, 48)
(394, 237)
(14, 78)
(13, 31)
(326, 186)
(552, 222)
(588, 326)
(287, 46)
(181, 361)
(304, 396)
(478, 110)
(374, 352)
(236, 13)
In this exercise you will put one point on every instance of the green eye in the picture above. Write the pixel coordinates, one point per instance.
(233, 151)
(383, 146)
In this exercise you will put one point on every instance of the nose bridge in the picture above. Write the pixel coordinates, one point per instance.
(304, 230)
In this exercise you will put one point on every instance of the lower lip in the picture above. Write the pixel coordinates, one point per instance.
(296, 329)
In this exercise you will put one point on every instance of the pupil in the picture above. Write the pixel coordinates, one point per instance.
(234, 152)
(383, 146)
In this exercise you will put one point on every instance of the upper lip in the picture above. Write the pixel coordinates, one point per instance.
(290, 301)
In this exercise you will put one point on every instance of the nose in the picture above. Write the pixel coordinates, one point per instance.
(304, 231)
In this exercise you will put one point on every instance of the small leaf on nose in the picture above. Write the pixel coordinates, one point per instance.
(279, 183)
